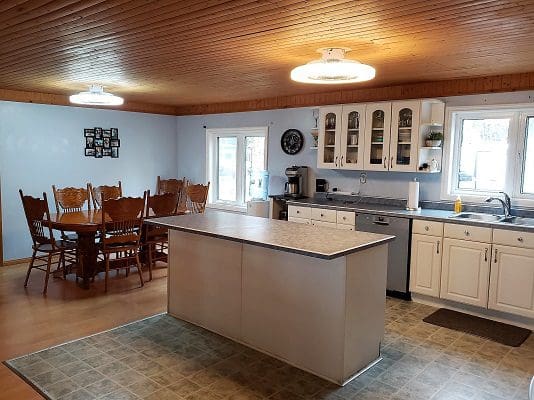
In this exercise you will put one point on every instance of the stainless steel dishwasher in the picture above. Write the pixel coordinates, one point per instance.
(399, 249)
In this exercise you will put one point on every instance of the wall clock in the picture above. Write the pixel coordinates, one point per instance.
(292, 141)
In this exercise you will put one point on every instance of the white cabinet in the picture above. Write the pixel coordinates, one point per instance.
(465, 271)
(316, 216)
(351, 145)
(512, 273)
(377, 136)
(324, 224)
(425, 264)
(404, 136)
(341, 138)
(328, 152)
(305, 221)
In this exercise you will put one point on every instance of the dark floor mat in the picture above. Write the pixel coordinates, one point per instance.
(497, 331)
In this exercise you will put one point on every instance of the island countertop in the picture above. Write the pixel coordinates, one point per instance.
(313, 241)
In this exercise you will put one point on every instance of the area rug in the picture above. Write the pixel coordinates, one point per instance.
(499, 332)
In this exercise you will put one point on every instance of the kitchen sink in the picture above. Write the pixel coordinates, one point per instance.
(477, 217)
(518, 221)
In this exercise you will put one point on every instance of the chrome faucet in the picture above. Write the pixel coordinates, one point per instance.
(506, 204)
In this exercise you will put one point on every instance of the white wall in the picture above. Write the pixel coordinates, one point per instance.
(192, 148)
(41, 145)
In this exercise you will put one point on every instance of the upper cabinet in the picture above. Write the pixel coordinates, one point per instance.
(341, 137)
(329, 136)
(377, 136)
(384, 136)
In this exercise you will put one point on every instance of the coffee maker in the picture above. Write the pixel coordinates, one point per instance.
(297, 177)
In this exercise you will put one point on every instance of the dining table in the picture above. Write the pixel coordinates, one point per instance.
(86, 224)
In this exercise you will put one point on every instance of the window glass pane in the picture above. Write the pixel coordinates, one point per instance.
(254, 165)
(528, 163)
(483, 153)
(226, 168)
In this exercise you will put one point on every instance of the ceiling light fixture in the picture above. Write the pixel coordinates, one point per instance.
(96, 97)
(333, 69)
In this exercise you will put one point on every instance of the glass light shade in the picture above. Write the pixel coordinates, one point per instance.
(97, 97)
(333, 69)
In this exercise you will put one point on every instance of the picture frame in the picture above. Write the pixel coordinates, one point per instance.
(90, 152)
(99, 142)
(114, 152)
(89, 142)
(114, 133)
(98, 133)
(115, 143)
(106, 152)
(106, 133)
(89, 132)
(98, 152)
(106, 142)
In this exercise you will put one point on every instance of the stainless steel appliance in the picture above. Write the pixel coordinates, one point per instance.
(399, 249)
(297, 177)
(321, 185)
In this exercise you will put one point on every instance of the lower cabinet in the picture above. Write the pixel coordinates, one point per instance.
(425, 264)
(465, 271)
(512, 280)
(324, 224)
(344, 220)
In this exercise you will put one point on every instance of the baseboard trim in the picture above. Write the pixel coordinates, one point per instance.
(517, 320)
(16, 261)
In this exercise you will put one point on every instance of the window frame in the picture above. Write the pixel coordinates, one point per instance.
(517, 135)
(212, 136)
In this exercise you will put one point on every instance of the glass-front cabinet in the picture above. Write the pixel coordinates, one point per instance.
(329, 136)
(377, 136)
(404, 136)
(352, 137)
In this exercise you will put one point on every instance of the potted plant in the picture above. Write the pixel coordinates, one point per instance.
(434, 139)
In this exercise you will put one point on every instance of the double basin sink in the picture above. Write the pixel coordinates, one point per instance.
(490, 218)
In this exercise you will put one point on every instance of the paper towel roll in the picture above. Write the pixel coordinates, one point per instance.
(413, 196)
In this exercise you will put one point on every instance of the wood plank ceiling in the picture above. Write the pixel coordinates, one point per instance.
(182, 53)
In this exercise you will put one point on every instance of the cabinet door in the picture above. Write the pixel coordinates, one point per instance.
(425, 264)
(377, 136)
(345, 227)
(465, 271)
(329, 137)
(512, 280)
(351, 146)
(324, 224)
(404, 136)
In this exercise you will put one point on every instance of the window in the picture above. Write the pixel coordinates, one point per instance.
(491, 150)
(235, 161)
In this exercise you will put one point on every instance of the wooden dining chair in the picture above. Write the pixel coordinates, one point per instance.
(71, 199)
(197, 196)
(45, 247)
(122, 221)
(175, 186)
(104, 192)
(156, 239)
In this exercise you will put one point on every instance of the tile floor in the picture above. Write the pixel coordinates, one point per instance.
(164, 358)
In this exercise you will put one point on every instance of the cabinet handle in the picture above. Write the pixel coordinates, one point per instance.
(341, 161)
(486, 254)
(344, 218)
(391, 162)
(520, 239)
(495, 259)
(335, 162)
(385, 162)
(437, 247)
(427, 228)
(466, 232)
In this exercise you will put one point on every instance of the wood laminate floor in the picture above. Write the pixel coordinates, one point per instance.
(30, 322)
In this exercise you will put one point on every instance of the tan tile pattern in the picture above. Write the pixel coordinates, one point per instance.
(164, 358)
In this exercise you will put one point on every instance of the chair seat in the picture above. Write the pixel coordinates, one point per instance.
(60, 245)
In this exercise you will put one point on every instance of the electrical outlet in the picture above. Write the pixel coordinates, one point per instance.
(363, 178)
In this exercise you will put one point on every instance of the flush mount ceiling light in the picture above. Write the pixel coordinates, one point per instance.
(96, 97)
(333, 69)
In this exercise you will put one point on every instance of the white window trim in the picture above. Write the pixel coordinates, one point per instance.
(211, 163)
(517, 133)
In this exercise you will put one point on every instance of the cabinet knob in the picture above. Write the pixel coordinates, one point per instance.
(466, 232)
(298, 212)
(344, 218)
(520, 239)
(322, 215)
(427, 228)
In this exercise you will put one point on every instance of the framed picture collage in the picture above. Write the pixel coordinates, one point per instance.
(101, 142)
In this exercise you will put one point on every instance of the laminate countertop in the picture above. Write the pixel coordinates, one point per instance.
(395, 211)
(313, 241)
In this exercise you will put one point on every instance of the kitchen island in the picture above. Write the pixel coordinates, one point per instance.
(313, 297)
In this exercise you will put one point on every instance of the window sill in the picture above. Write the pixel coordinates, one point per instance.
(227, 207)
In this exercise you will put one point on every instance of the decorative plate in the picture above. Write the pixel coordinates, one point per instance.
(292, 141)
